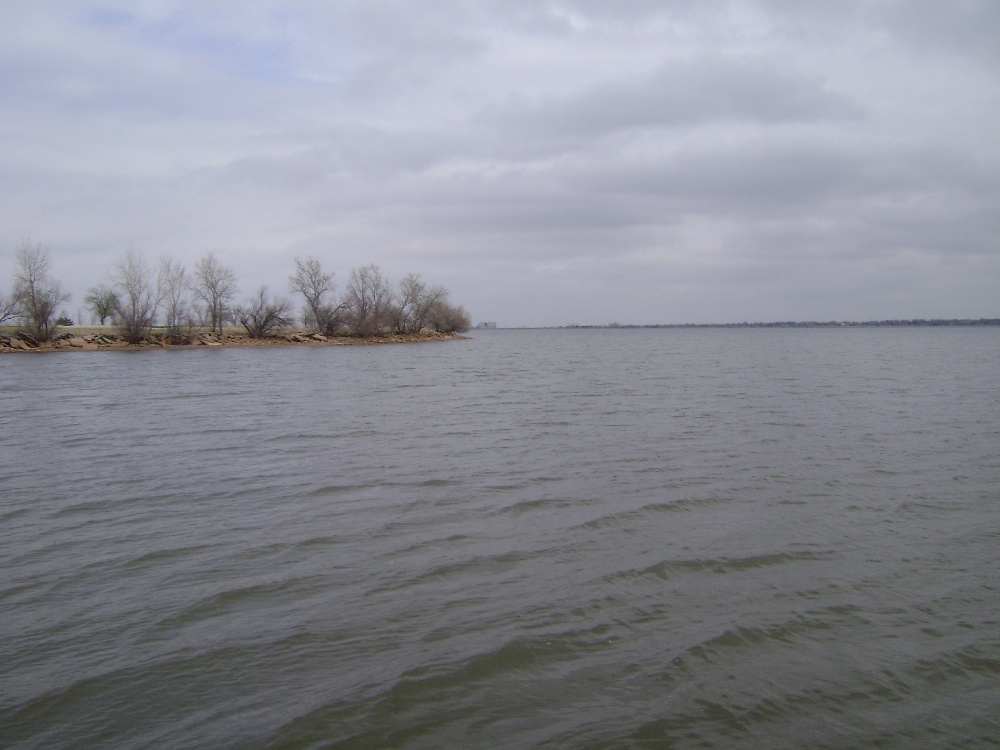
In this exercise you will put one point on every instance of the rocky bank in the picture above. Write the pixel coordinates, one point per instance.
(23, 342)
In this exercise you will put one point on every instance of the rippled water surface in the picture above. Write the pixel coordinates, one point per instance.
(566, 539)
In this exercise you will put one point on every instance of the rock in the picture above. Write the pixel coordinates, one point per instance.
(76, 341)
(318, 337)
(19, 344)
(27, 338)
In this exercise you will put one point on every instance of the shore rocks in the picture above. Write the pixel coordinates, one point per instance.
(21, 341)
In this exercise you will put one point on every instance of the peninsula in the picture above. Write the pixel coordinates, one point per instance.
(106, 338)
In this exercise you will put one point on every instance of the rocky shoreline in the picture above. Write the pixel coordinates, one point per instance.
(23, 342)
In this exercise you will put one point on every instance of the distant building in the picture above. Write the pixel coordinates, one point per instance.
(486, 325)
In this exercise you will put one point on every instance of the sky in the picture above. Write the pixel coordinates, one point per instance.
(551, 162)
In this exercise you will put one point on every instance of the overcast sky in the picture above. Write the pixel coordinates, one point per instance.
(550, 162)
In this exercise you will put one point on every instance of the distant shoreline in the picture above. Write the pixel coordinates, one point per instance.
(104, 338)
(916, 323)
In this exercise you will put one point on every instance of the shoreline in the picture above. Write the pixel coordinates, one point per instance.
(106, 339)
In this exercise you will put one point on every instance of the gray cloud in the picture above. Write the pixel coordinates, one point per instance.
(551, 162)
(683, 94)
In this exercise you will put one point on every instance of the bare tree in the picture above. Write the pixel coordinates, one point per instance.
(416, 301)
(9, 309)
(36, 294)
(261, 314)
(101, 301)
(137, 298)
(215, 285)
(310, 281)
(448, 318)
(368, 301)
(173, 284)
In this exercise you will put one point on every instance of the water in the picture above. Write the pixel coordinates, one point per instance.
(586, 539)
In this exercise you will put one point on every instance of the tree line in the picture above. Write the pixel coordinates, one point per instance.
(138, 296)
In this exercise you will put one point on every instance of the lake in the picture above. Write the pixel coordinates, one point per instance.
(694, 538)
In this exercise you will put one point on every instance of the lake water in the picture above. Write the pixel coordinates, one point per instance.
(563, 539)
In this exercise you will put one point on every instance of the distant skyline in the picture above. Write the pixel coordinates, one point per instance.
(551, 163)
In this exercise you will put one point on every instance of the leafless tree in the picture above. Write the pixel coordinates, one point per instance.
(8, 308)
(416, 301)
(215, 285)
(137, 297)
(310, 281)
(447, 318)
(173, 284)
(36, 294)
(368, 301)
(261, 314)
(101, 300)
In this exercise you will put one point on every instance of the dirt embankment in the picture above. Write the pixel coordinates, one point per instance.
(16, 341)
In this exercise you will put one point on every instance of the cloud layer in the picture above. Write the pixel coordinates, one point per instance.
(550, 162)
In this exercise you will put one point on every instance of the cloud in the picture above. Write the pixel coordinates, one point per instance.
(675, 161)
(683, 94)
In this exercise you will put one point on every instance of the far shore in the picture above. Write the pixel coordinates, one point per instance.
(76, 338)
